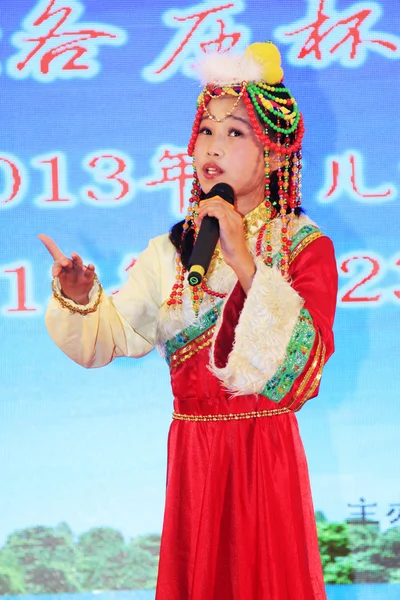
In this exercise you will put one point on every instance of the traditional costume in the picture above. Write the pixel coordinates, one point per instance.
(239, 521)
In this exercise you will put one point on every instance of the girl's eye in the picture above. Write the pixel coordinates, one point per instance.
(235, 133)
(205, 131)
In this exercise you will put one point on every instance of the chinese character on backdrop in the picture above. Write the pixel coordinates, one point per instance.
(54, 44)
(345, 175)
(176, 172)
(326, 35)
(199, 29)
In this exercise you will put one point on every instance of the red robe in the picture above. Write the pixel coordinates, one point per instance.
(239, 521)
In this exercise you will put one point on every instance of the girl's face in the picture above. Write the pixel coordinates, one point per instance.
(230, 152)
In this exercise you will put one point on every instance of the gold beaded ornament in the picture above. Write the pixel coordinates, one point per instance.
(72, 306)
(256, 79)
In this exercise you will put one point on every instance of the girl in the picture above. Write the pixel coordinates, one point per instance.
(246, 347)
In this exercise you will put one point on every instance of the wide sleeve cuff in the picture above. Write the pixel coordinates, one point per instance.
(73, 307)
(297, 355)
(253, 332)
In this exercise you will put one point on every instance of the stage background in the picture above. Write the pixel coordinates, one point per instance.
(96, 107)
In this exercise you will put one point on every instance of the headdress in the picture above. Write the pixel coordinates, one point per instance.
(256, 77)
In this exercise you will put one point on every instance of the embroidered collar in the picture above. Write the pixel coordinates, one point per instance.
(254, 220)
(252, 223)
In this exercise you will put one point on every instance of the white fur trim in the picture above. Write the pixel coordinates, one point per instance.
(263, 332)
(225, 69)
(172, 321)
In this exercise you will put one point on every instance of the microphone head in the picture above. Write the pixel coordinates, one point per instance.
(222, 189)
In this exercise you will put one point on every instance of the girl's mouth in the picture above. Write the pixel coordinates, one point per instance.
(211, 170)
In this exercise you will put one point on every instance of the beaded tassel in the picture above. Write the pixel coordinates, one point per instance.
(175, 298)
(197, 294)
(195, 129)
(282, 191)
(296, 169)
(212, 294)
(265, 233)
(290, 202)
(201, 107)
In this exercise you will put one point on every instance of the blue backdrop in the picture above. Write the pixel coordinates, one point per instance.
(96, 105)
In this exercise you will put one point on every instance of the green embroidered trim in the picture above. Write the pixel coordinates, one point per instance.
(193, 331)
(298, 237)
(296, 357)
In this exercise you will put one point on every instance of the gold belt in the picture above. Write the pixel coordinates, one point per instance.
(256, 414)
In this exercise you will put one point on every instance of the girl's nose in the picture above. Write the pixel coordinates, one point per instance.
(215, 149)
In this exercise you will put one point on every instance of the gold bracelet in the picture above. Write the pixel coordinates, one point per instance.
(65, 303)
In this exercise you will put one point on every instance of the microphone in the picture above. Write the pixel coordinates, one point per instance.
(207, 237)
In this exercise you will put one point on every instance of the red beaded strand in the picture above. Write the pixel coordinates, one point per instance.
(175, 297)
(195, 130)
(196, 124)
(254, 120)
(211, 292)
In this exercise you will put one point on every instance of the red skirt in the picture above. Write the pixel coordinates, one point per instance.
(239, 521)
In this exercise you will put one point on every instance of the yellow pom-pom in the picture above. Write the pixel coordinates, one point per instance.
(264, 52)
(272, 74)
(267, 55)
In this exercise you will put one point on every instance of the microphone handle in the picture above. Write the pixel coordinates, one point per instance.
(202, 253)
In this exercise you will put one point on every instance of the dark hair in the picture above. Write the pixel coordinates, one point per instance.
(184, 245)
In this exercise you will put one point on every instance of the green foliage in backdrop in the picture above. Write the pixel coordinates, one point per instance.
(49, 560)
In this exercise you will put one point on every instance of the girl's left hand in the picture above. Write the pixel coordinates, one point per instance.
(232, 239)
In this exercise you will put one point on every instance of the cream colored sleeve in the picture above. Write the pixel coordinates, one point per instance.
(123, 325)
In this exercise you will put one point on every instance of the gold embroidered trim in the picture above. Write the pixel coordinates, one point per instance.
(256, 414)
(201, 342)
(76, 308)
(316, 381)
(303, 244)
(253, 218)
(310, 371)
(252, 223)
(312, 368)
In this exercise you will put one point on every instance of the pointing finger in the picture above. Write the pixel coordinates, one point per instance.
(51, 246)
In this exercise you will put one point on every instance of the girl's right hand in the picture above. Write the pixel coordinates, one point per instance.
(76, 279)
